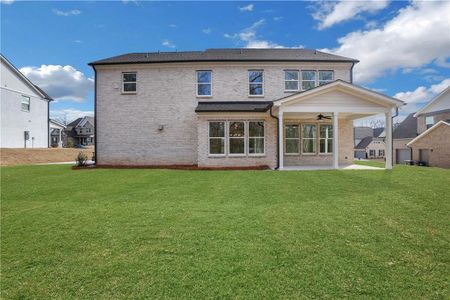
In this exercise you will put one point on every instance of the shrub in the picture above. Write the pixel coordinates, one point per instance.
(81, 159)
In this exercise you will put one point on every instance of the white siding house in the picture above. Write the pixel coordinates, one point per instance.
(24, 110)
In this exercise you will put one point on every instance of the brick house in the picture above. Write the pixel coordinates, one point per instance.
(281, 108)
(432, 144)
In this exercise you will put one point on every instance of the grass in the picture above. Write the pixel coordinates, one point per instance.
(109, 234)
(371, 163)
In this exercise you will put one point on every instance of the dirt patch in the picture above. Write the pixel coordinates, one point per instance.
(10, 157)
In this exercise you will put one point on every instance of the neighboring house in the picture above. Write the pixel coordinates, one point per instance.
(370, 146)
(404, 133)
(231, 108)
(81, 131)
(24, 110)
(57, 134)
(432, 145)
(361, 132)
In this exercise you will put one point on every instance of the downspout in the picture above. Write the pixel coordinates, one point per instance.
(351, 73)
(95, 117)
(278, 140)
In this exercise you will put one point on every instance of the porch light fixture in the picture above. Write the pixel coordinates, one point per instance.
(320, 117)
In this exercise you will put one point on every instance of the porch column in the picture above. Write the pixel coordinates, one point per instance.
(280, 139)
(388, 165)
(335, 140)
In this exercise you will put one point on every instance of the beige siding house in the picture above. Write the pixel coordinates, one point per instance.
(281, 108)
(432, 145)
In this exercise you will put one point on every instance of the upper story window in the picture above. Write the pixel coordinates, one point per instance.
(291, 80)
(256, 82)
(204, 83)
(325, 77)
(129, 81)
(308, 80)
(25, 103)
(429, 121)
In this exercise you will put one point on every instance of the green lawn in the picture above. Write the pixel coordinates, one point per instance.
(224, 234)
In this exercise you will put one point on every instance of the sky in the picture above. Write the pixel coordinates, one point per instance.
(403, 46)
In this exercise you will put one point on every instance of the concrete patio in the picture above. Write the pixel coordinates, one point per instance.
(313, 168)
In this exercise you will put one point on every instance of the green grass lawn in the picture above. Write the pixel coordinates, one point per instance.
(224, 234)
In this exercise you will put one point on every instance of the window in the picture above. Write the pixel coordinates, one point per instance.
(256, 137)
(129, 82)
(236, 138)
(217, 138)
(204, 83)
(25, 103)
(325, 77)
(309, 138)
(308, 80)
(381, 153)
(326, 139)
(429, 121)
(292, 139)
(291, 80)
(371, 153)
(255, 82)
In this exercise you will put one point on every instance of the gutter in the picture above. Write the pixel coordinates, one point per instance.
(351, 73)
(278, 140)
(95, 117)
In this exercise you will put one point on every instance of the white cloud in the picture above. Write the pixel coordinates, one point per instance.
(249, 37)
(78, 41)
(246, 8)
(168, 44)
(173, 25)
(73, 12)
(60, 82)
(277, 18)
(130, 1)
(331, 13)
(7, 1)
(207, 30)
(69, 114)
(417, 98)
(416, 36)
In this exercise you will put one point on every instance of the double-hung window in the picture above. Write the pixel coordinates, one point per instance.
(204, 83)
(325, 77)
(372, 153)
(381, 153)
(217, 138)
(309, 137)
(292, 138)
(256, 82)
(129, 81)
(291, 80)
(429, 121)
(308, 80)
(236, 138)
(326, 139)
(25, 104)
(256, 137)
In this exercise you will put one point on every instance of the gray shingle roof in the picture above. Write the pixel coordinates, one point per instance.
(230, 54)
(364, 142)
(406, 129)
(378, 131)
(362, 131)
(234, 106)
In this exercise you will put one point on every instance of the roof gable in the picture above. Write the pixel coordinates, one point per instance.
(406, 129)
(362, 95)
(32, 87)
(428, 131)
(438, 103)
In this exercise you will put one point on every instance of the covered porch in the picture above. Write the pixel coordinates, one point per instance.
(315, 127)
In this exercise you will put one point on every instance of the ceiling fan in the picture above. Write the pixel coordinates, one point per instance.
(320, 117)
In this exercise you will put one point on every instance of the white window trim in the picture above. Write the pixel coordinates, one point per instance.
(224, 139)
(291, 80)
(303, 138)
(29, 103)
(326, 140)
(255, 137)
(262, 83)
(326, 81)
(197, 84)
(244, 138)
(298, 139)
(123, 82)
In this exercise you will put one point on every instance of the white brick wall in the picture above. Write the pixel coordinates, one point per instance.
(127, 125)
